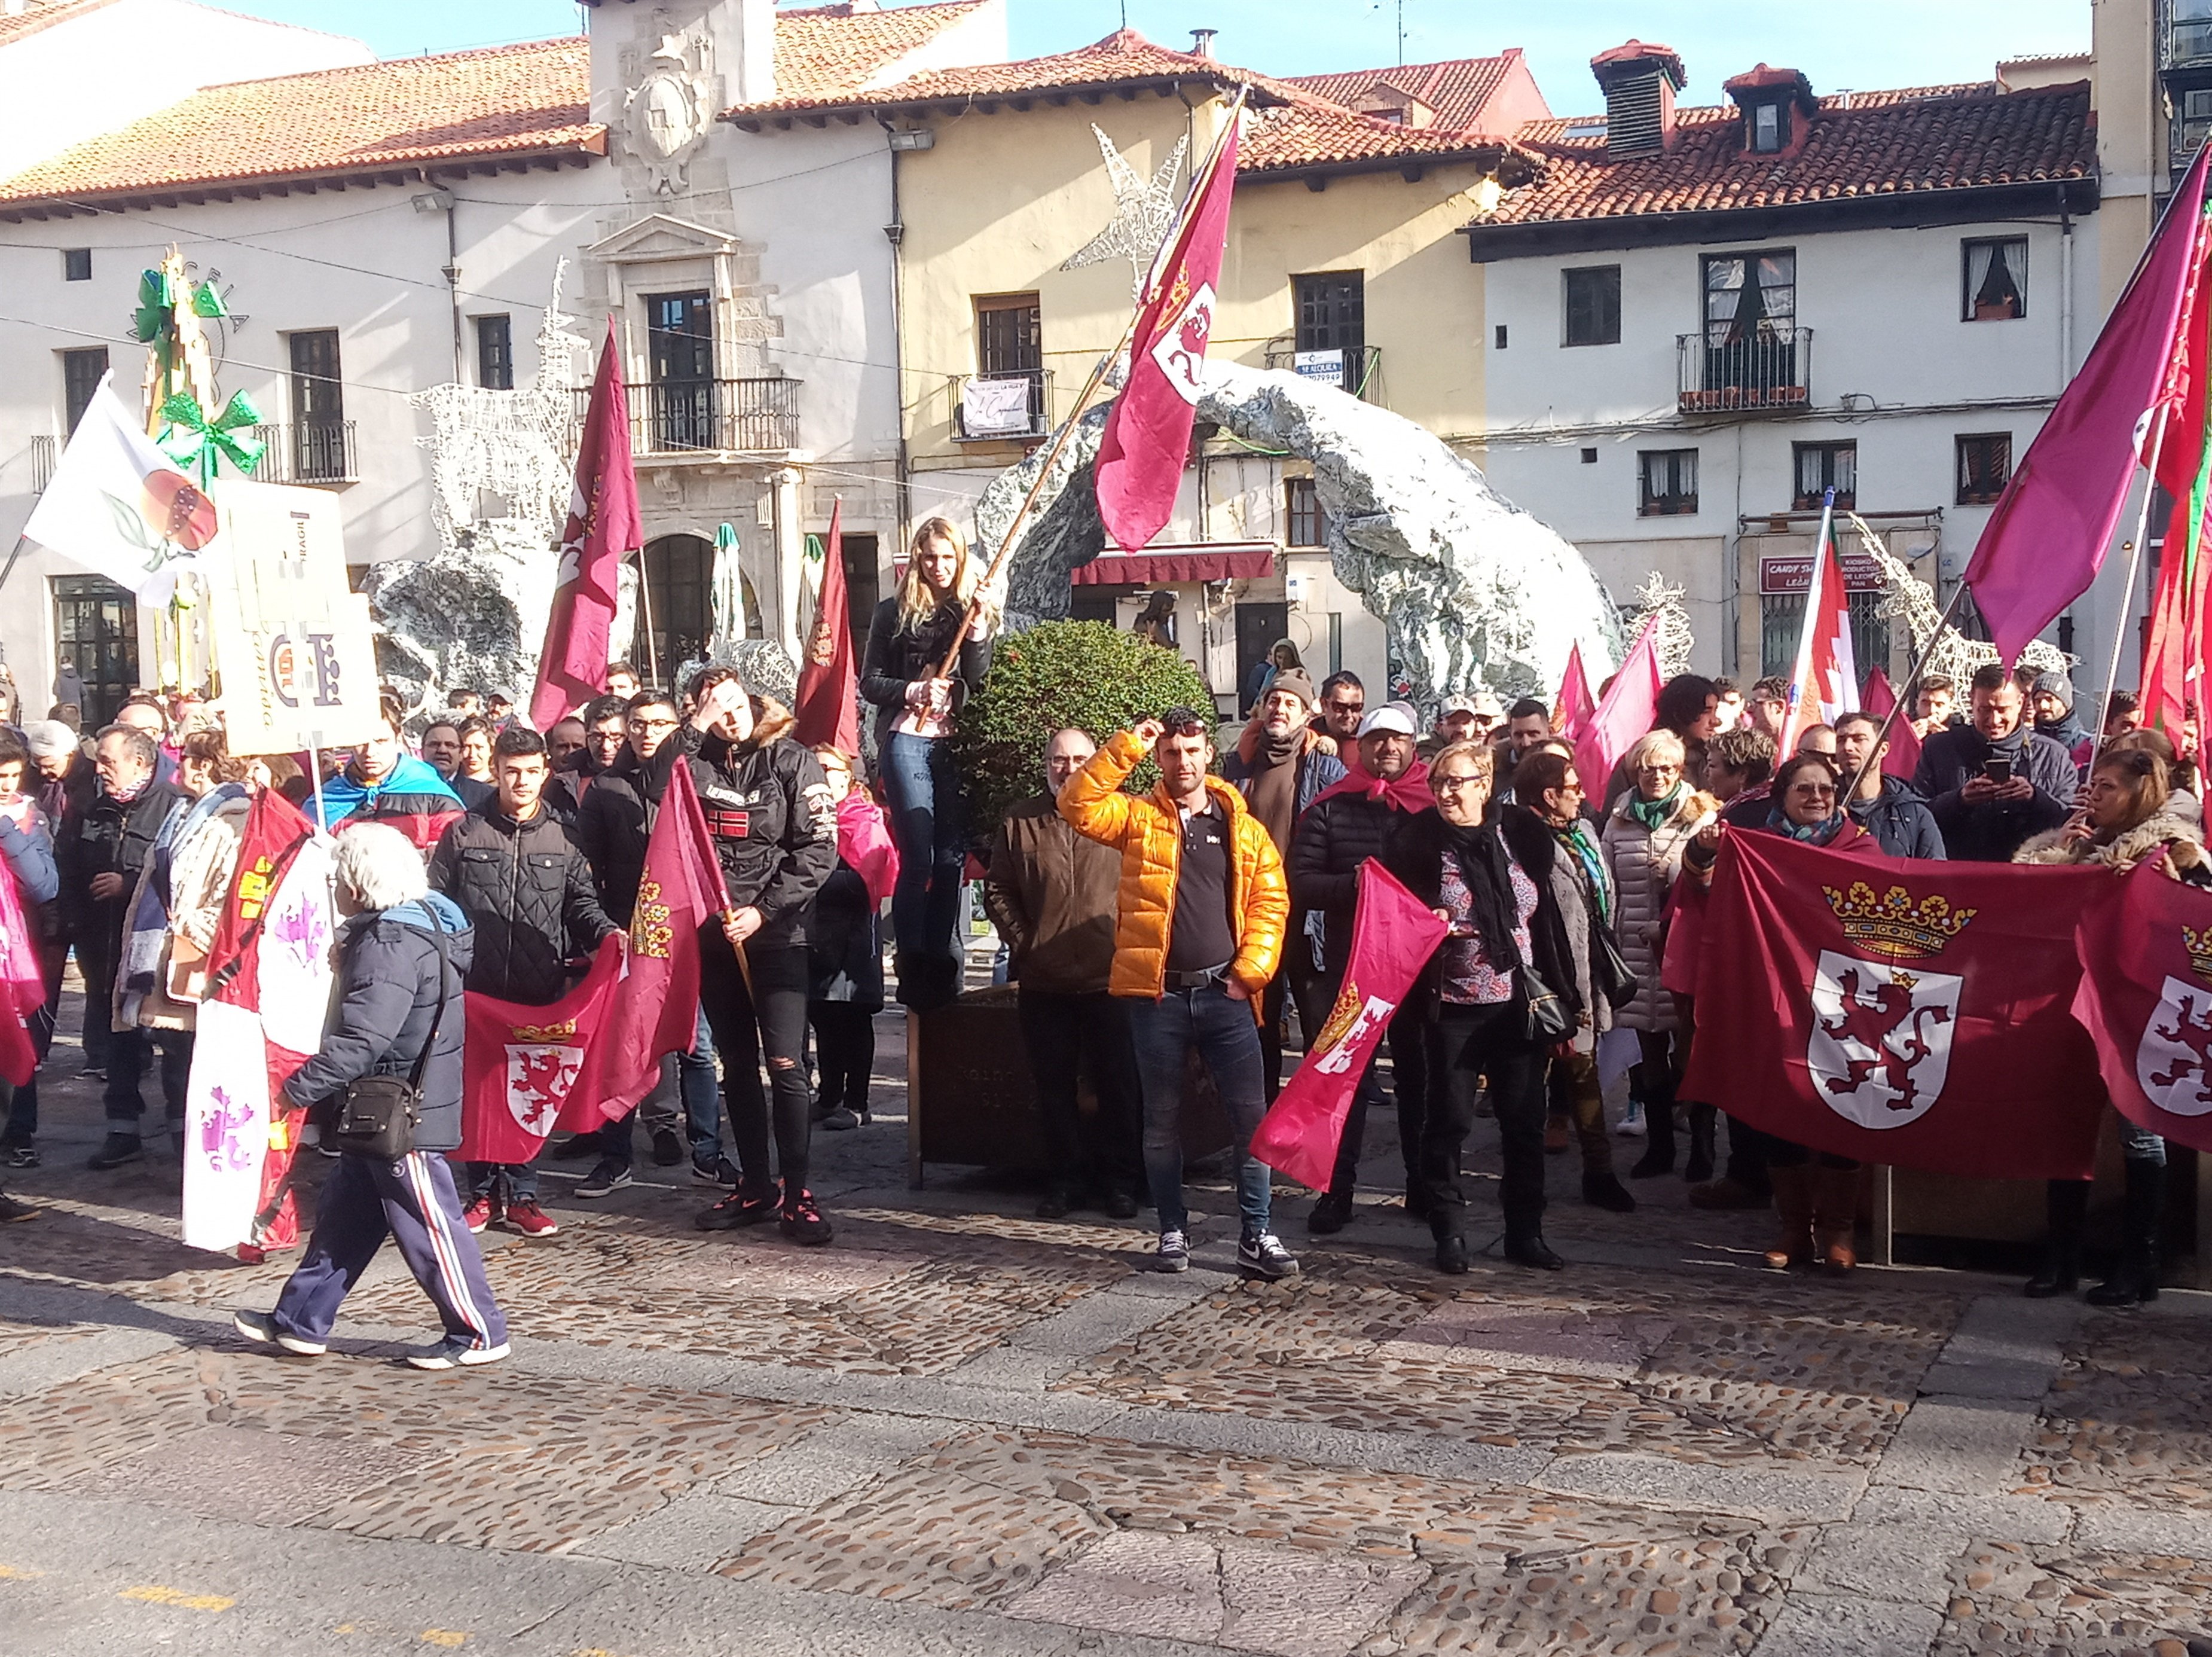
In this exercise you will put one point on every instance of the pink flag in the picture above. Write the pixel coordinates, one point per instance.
(1824, 681)
(1625, 714)
(1903, 759)
(603, 526)
(1147, 436)
(2047, 539)
(1572, 710)
(1393, 936)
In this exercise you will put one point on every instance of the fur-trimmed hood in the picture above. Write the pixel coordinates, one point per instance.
(2161, 829)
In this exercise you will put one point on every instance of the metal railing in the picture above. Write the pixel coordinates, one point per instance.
(43, 450)
(709, 417)
(1771, 369)
(1359, 372)
(308, 452)
(1040, 405)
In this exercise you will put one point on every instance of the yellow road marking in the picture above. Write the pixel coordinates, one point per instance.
(155, 1594)
(443, 1637)
(17, 1574)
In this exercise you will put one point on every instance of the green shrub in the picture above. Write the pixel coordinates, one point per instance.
(1080, 673)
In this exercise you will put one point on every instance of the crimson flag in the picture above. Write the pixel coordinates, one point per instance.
(1625, 713)
(2146, 1000)
(1574, 706)
(1147, 436)
(1900, 1011)
(1393, 936)
(657, 1010)
(1903, 759)
(603, 526)
(2046, 540)
(827, 707)
(526, 1068)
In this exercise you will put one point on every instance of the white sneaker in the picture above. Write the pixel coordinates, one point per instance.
(261, 1328)
(457, 1355)
(1631, 1121)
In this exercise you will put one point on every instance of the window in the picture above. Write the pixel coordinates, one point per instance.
(1302, 503)
(96, 628)
(1668, 483)
(495, 353)
(1766, 128)
(319, 430)
(1332, 312)
(76, 265)
(1996, 279)
(1984, 466)
(81, 372)
(1823, 466)
(679, 333)
(1498, 335)
(1009, 335)
(1593, 306)
(1589, 457)
(1751, 333)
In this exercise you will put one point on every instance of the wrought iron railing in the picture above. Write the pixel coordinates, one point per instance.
(1355, 368)
(43, 452)
(696, 416)
(982, 429)
(1768, 368)
(308, 452)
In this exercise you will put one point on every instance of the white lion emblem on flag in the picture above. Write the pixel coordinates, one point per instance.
(1180, 348)
(2173, 1062)
(538, 1082)
(1880, 1047)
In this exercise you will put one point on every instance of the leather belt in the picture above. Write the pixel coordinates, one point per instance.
(1196, 980)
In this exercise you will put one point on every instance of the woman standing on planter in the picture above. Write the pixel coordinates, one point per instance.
(914, 632)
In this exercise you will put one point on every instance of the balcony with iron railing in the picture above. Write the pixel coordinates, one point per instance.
(1355, 368)
(988, 409)
(308, 452)
(1768, 370)
(676, 418)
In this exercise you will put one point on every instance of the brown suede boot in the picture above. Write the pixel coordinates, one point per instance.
(1793, 1209)
(1835, 1216)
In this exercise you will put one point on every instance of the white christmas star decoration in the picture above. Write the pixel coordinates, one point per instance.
(1143, 209)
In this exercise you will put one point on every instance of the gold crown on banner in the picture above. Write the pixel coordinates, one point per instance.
(2199, 946)
(1892, 925)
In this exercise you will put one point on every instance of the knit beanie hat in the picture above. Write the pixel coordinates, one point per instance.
(1294, 679)
(2055, 683)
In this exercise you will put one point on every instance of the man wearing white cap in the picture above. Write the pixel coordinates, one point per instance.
(1346, 825)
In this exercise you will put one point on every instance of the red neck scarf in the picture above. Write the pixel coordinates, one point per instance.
(1409, 793)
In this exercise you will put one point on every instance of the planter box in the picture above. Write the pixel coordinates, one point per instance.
(970, 1098)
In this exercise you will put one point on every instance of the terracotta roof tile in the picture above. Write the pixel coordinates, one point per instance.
(1913, 139)
(1310, 135)
(825, 50)
(504, 101)
(1457, 89)
(1122, 58)
(44, 13)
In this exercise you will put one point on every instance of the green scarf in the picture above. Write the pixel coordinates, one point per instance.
(1652, 812)
(1578, 838)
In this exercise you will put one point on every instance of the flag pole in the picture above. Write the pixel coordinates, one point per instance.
(644, 602)
(2128, 592)
(1199, 181)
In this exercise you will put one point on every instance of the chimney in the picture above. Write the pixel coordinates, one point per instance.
(1201, 42)
(1778, 106)
(1639, 80)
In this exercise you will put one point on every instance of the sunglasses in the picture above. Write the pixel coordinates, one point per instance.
(1184, 722)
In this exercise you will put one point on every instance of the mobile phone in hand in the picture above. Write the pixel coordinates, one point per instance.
(1998, 769)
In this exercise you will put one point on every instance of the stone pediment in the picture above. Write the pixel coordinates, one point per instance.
(663, 236)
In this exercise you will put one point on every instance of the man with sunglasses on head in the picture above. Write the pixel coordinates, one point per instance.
(1199, 928)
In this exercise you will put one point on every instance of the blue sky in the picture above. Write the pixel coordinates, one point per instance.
(1866, 43)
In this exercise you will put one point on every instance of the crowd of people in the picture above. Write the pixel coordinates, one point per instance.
(1205, 915)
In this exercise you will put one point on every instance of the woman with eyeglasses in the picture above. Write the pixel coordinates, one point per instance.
(1473, 995)
(1644, 836)
(1815, 1193)
(914, 633)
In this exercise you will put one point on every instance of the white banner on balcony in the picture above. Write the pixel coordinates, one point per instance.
(292, 641)
(118, 506)
(995, 408)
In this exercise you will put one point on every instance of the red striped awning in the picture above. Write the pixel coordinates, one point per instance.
(1162, 565)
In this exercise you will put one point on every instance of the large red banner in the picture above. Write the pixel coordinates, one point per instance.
(1900, 1012)
(528, 1067)
(2146, 997)
(1393, 936)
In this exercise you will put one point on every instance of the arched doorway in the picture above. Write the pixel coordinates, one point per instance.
(675, 606)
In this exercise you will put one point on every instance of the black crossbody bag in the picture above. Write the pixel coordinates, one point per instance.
(377, 1115)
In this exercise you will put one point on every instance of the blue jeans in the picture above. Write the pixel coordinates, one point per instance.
(926, 822)
(701, 1093)
(1228, 1041)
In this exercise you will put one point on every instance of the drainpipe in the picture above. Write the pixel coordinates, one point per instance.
(2065, 291)
(895, 233)
(438, 199)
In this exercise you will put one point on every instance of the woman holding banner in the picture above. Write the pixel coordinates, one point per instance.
(1475, 997)
(2125, 817)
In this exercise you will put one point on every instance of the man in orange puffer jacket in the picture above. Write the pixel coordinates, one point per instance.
(1199, 922)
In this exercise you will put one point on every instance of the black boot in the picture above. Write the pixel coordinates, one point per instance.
(2136, 1279)
(927, 982)
(1699, 1168)
(2067, 1201)
(1658, 1156)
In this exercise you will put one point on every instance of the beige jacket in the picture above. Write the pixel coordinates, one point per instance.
(1645, 863)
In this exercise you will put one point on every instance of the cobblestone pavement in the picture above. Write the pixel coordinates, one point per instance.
(964, 1429)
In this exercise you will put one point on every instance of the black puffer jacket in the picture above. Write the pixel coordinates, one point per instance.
(769, 809)
(897, 658)
(384, 1000)
(1333, 837)
(111, 838)
(614, 825)
(527, 891)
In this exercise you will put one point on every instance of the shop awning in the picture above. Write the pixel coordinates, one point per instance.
(1163, 564)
